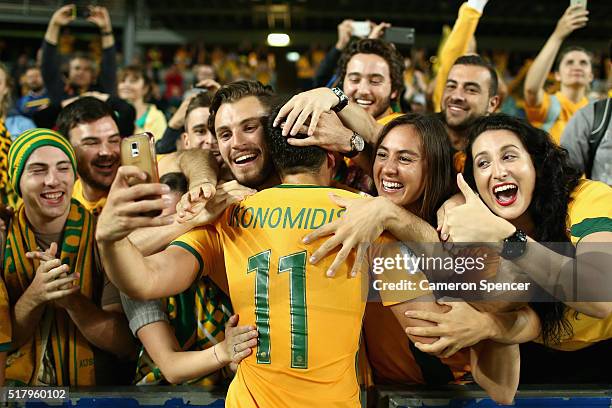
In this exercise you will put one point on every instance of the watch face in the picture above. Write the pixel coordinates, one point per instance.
(358, 142)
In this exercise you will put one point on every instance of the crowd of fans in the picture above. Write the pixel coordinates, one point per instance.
(95, 291)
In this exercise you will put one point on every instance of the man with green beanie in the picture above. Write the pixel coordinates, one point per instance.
(66, 317)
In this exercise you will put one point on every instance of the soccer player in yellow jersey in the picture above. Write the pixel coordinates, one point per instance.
(259, 243)
(295, 309)
(573, 70)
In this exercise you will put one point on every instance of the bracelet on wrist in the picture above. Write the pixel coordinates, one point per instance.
(215, 353)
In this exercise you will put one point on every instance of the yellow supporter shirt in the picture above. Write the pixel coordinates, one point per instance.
(543, 116)
(589, 211)
(94, 206)
(309, 325)
(154, 121)
(386, 119)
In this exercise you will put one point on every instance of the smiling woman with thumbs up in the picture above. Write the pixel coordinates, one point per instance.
(529, 197)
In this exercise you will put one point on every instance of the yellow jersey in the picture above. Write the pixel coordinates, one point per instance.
(296, 308)
(554, 113)
(589, 211)
(388, 118)
(94, 206)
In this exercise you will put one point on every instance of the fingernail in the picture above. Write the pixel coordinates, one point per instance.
(306, 240)
(313, 259)
(444, 237)
(330, 273)
(165, 188)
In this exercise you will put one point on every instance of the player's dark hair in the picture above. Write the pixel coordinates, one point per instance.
(290, 159)
(176, 181)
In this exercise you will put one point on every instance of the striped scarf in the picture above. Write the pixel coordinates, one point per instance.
(198, 317)
(7, 195)
(73, 358)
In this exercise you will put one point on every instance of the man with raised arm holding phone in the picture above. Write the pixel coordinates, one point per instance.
(81, 75)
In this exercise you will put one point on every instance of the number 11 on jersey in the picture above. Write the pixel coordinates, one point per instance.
(295, 264)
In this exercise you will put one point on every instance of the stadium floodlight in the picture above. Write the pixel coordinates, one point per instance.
(293, 56)
(278, 40)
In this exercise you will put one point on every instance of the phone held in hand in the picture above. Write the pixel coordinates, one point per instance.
(139, 150)
(80, 11)
(399, 35)
(580, 3)
(361, 28)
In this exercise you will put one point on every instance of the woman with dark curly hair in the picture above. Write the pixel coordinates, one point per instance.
(413, 176)
(527, 195)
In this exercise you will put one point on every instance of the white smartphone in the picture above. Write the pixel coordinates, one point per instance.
(361, 28)
(581, 3)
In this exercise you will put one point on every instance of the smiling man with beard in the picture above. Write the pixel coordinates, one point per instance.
(91, 127)
(469, 93)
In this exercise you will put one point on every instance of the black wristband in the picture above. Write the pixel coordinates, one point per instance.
(514, 246)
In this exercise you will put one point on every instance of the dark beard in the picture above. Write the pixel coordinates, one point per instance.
(86, 179)
(259, 181)
(463, 126)
(382, 110)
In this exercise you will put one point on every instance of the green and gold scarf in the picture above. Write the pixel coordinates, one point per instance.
(73, 357)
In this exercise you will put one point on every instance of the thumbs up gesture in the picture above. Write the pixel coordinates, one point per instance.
(474, 222)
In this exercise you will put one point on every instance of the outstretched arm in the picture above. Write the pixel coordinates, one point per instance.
(50, 64)
(312, 104)
(574, 17)
(496, 368)
(179, 366)
(457, 44)
(127, 268)
(463, 326)
(105, 328)
(363, 222)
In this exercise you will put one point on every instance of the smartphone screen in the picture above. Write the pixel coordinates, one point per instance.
(139, 150)
(399, 35)
(581, 3)
(361, 28)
